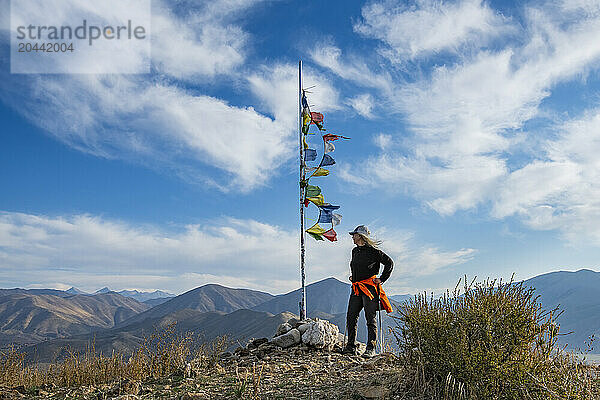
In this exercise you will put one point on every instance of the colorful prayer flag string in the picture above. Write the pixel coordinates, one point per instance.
(313, 194)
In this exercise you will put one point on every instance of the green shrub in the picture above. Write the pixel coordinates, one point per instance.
(493, 341)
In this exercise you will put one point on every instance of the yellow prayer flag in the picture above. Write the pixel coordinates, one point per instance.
(321, 172)
(316, 229)
(305, 119)
(317, 200)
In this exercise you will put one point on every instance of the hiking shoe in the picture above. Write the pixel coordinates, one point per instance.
(350, 351)
(369, 353)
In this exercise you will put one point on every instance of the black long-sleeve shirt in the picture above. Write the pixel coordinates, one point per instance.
(366, 261)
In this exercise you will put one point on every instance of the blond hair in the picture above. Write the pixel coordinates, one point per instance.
(371, 242)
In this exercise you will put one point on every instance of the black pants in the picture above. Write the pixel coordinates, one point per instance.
(355, 304)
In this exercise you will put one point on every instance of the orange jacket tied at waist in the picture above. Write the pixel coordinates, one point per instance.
(361, 286)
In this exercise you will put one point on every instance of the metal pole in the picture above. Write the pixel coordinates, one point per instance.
(302, 177)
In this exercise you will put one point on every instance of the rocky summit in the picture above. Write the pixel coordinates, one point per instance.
(302, 360)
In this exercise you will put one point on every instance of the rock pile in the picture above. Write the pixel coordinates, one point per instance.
(317, 333)
(294, 336)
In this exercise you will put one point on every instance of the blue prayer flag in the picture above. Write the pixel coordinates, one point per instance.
(310, 155)
(329, 207)
(327, 160)
(325, 216)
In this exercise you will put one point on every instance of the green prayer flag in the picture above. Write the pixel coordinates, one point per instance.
(312, 191)
(315, 236)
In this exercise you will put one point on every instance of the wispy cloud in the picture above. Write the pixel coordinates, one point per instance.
(64, 251)
(351, 68)
(426, 26)
(467, 121)
(276, 87)
(363, 104)
(162, 122)
(560, 190)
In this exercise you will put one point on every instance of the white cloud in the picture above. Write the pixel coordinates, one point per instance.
(465, 120)
(198, 44)
(362, 104)
(413, 259)
(89, 252)
(383, 141)
(277, 88)
(560, 191)
(353, 69)
(160, 126)
(591, 7)
(156, 122)
(201, 44)
(429, 26)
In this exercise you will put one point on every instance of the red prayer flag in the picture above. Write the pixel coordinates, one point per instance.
(332, 137)
(330, 235)
(316, 117)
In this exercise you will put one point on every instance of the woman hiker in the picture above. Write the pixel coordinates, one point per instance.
(366, 288)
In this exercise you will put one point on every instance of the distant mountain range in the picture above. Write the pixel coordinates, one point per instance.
(52, 319)
(134, 294)
(329, 296)
(204, 299)
(577, 293)
(30, 318)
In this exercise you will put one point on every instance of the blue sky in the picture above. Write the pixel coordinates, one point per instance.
(475, 131)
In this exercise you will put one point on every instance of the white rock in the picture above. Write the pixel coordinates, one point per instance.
(283, 328)
(321, 334)
(288, 339)
(302, 328)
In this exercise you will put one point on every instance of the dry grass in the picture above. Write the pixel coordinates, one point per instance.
(247, 383)
(164, 353)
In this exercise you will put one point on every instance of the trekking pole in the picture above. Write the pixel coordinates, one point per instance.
(380, 331)
(379, 326)
(346, 326)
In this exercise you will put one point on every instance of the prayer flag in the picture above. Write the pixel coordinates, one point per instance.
(336, 219)
(330, 235)
(305, 118)
(317, 200)
(304, 101)
(316, 229)
(315, 236)
(329, 147)
(316, 118)
(310, 155)
(321, 172)
(333, 137)
(325, 217)
(312, 191)
(328, 207)
(327, 160)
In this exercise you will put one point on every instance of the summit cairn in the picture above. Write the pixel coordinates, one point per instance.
(321, 334)
(316, 333)
(293, 337)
